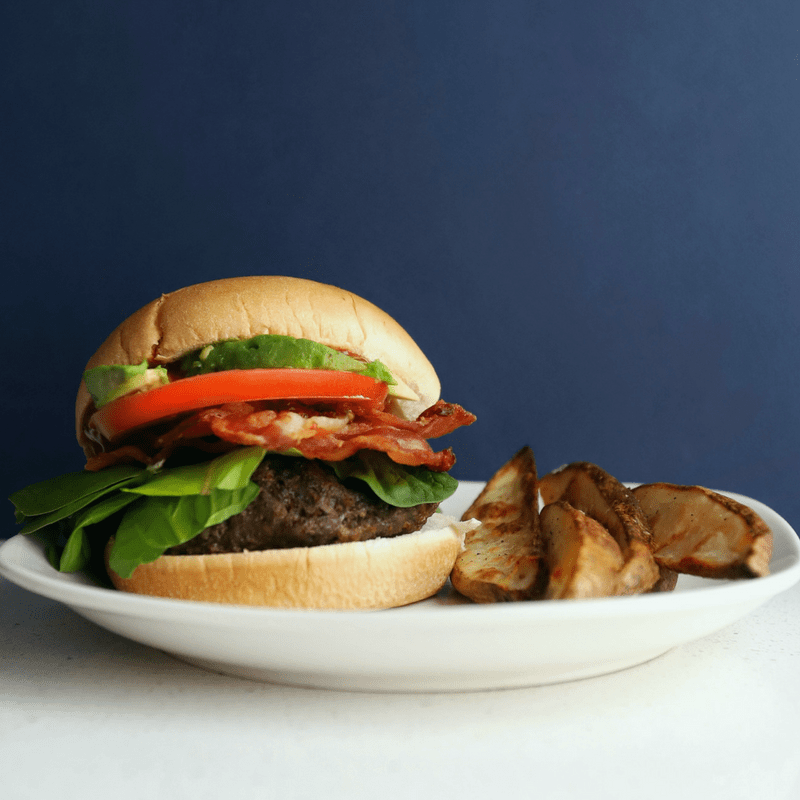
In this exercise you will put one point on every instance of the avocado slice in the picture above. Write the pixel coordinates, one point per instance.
(108, 382)
(266, 351)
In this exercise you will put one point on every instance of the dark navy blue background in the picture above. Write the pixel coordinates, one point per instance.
(588, 214)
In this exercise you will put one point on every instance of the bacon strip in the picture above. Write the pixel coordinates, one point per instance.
(403, 441)
(326, 435)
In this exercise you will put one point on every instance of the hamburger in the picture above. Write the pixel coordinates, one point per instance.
(260, 440)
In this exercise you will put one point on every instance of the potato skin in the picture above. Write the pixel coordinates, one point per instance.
(583, 558)
(598, 494)
(698, 531)
(503, 558)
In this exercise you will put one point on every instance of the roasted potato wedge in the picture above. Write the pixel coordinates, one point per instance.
(701, 532)
(601, 496)
(667, 579)
(503, 557)
(583, 558)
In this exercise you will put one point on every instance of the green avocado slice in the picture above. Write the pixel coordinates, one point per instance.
(108, 382)
(276, 351)
(266, 351)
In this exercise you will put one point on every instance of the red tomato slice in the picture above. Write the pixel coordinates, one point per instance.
(233, 386)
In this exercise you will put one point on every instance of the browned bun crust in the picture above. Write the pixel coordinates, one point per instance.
(238, 308)
(380, 573)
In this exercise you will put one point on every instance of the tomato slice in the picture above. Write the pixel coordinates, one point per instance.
(233, 386)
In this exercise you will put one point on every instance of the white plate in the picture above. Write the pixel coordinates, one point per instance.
(442, 644)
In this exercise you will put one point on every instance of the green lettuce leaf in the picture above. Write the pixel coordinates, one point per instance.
(397, 484)
(71, 490)
(62, 510)
(231, 471)
(77, 551)
(151, 527)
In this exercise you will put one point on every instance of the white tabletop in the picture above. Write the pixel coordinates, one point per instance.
(83, 711)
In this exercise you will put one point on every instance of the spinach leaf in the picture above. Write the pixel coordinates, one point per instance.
(77, 551)
(68, 490)
(60, 510)
(396, 484)
(230, 471)
(149, 528)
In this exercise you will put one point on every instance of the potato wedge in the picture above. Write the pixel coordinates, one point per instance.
(592, 490)
(667, 579)
(503, 559)
(583, 558)
(701, 532)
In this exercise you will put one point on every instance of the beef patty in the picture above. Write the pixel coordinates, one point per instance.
(301, 503)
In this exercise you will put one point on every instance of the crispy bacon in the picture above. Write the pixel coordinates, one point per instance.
(319, 437)
(329, 435)
(124, 454)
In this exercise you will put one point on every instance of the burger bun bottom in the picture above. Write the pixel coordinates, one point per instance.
(379, 573)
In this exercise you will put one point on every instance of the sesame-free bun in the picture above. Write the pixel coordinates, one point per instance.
(379, 573)
(239, 308)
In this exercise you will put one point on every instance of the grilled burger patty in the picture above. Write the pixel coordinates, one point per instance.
(302, 504)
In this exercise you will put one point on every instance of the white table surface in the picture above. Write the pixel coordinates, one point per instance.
(85, 712)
